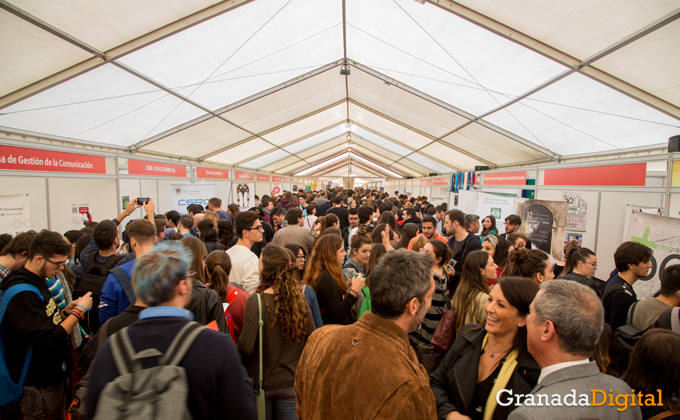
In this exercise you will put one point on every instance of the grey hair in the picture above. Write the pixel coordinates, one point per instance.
(400, 276)
(575, 311)
(157, 272)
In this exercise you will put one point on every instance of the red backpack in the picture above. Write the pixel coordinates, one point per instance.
(230, 324)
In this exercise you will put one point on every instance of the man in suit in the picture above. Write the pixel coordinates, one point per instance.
(563, 329)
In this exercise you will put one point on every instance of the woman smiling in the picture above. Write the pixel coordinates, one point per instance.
(493, 357)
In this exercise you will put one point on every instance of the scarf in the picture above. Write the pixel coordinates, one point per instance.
(501, 382)
(61, 293)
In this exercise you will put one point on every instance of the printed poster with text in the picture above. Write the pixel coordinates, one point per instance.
(243, 194)
(662, 235)
(185, 194)
(497, 205)
(15, 214)
(544, 223)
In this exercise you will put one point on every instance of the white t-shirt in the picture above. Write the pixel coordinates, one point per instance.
(244, 268)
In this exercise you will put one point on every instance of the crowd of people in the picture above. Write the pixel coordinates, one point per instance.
(331, 304)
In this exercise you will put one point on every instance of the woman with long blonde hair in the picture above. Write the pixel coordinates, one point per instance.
(287, 325)
(324, 273)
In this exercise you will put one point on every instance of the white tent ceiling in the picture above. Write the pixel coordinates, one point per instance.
(435, 87)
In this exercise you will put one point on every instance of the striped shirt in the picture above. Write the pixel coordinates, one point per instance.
(424, 334)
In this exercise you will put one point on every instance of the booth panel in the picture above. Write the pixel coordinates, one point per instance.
(37, 196)
(69, 195)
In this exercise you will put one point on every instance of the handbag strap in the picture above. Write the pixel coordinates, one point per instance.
(675, 319)
(662, 415)
(260, 322)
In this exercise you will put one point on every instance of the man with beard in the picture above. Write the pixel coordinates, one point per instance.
(36, 322)
(368, 368)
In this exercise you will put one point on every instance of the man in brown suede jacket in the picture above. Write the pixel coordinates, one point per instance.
(368, 370)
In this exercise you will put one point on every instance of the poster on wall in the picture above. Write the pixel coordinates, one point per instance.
(577, 212)
(277, 189)
(544, 223)
(439, 195)
(243, 194)
(186, 194)
(498, 205)
(80, 214)
(662, 235)
(15, 214)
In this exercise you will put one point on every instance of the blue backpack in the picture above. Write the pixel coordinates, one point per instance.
(10, 392)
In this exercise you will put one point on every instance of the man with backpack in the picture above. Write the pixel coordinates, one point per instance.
(195, 370)
(117, 293)
(633, 261)
(101, 255)
(35, 332)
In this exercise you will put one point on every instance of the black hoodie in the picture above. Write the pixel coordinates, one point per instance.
(30, 321)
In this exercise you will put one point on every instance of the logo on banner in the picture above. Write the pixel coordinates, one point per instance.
(495, 212)
(178, 190)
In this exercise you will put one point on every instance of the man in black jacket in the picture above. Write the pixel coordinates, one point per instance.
(461, 243)
(36, 321)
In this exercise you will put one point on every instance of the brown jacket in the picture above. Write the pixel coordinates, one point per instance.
(366, 370)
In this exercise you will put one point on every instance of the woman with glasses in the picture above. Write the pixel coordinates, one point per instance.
(298, 258)
(580, 266)
(287, 325)
(324, 274)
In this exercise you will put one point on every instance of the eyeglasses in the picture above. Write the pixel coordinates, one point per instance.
(58, 264)
(258, 227)
(594, 264)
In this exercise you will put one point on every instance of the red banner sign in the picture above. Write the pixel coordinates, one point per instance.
(506, 178)
(286, 179)
(262, 177)
(24, 159)
(246, 176)
(440, 181)
(141, 167)
(633, 174)
(212, 173)
(276, 178)
(425, 181)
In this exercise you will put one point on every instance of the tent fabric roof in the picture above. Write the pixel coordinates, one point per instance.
(432, 87)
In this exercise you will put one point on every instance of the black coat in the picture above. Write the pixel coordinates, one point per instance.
(454, 381)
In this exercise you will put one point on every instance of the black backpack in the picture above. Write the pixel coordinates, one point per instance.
(93, 281)
(625, 338)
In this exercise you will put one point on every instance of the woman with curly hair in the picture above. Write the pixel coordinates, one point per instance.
(287, 325)
(324, 274)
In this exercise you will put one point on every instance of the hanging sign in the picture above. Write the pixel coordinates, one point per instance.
(263, 177)
(425, 181)
(440, 181)
(633, 175)
(506, 178)
(243, 176)
(24, 159)
(286, 179)
(141, 167)
(277, 178)
(212, 173)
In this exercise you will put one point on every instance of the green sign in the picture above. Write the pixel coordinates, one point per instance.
(308, 188)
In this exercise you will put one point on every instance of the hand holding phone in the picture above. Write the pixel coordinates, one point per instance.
(142, 200)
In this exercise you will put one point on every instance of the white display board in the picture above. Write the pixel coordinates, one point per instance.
(184, 195)
(98, 194)
(662, 235)
(15, 213)
(37, 197)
